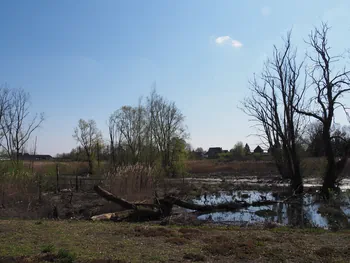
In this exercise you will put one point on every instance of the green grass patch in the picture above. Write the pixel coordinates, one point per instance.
(85, 241)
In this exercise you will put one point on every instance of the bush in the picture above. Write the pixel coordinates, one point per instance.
(65, 256)
(225, 156)
(47, 249)
(257, 156)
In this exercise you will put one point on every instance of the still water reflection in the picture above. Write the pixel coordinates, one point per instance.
(306, 211)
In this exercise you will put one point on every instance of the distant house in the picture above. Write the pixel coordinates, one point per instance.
(34, 157)
(213, 152)
(258, 150)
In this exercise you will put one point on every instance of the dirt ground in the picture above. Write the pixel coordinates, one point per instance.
(84, 241)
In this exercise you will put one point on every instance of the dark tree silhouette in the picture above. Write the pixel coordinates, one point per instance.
(246, 149)
(272, 107)
(329, 87)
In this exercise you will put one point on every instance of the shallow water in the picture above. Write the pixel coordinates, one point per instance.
(254, 181)
(304, 213)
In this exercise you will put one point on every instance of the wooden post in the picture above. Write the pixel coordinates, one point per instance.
(57, 177)
(39, 187)
(76, 183)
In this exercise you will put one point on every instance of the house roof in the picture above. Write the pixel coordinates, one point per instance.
(258, 149)
(35, 155)
(215, 149)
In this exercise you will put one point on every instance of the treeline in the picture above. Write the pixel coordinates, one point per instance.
(310, 145)
(152, 133)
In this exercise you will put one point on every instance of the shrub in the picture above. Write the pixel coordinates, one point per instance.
(47, 249)
(65, 256)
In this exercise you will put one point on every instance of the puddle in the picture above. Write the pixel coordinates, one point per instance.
(304, 212)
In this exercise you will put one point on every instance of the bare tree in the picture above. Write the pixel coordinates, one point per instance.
(167, 123)
(5, 96)
(150, 140)
(115, 136)
(33, 150)
(329, 87)
(272, 106)
(132, 126)
(88, 135)
(148, 132)
(17, 126)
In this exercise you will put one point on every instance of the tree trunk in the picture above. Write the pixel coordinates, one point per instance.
(113, 155)
(110, 197)
(17, 158)
(98, 155)
(330, 177)
(91, 166)
(297, 180)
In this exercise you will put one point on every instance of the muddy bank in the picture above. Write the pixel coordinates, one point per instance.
(65, 205)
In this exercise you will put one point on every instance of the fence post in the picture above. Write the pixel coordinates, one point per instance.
(76, 183)
(39, 188)
(57, 175)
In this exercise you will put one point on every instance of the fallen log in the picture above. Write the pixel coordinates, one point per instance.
(138, 215)
(102, 217)
(110, 197)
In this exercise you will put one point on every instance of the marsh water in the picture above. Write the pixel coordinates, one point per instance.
(306, 211)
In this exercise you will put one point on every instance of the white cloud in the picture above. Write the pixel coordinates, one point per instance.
(266, 11)
(228, 40)
(236, 43)
(222, 40)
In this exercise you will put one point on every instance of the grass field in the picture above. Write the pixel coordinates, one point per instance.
(84, 241)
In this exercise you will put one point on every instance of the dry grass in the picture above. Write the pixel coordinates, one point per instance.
(243, 167)
(177, 241)
(134, 182)
(122, 242)
(20, 189)
(193, 257)
(154, 231)
(310, 167)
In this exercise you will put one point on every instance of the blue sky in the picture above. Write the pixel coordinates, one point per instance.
(87, 58)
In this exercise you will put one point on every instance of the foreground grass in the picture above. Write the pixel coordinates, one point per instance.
(73, 241)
